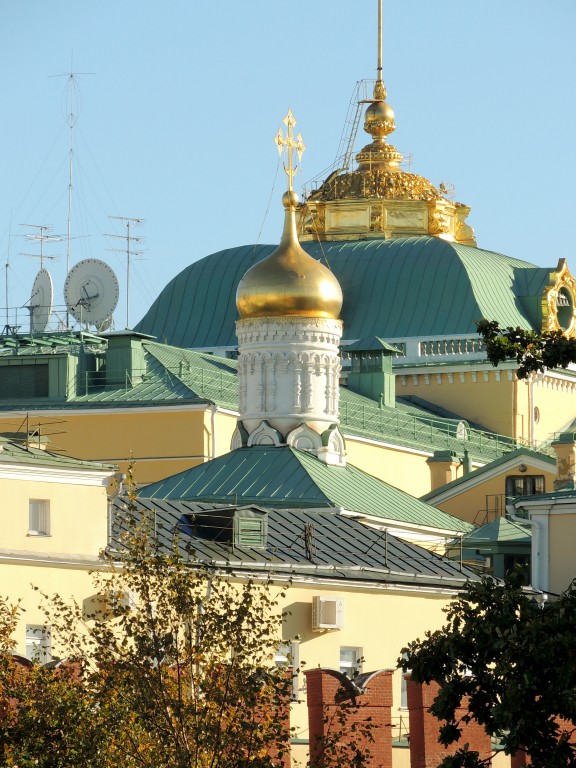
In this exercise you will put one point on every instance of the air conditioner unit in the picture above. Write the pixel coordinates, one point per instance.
(116, 601)
(327, 612)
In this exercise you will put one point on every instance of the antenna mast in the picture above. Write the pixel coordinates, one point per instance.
(128, 223)
(72, 112)
(41, 236)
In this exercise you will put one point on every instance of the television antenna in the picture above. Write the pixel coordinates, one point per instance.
(40, 304)
(128, 250)
(91, 292)
(41, 236)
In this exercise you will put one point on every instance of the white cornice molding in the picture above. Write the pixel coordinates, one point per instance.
(43, 474)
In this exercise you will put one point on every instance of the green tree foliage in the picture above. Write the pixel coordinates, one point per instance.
(176, 669)
(534, 352)
(512, 663)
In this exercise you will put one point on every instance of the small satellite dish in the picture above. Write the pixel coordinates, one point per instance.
(40, 304)
(91, 291)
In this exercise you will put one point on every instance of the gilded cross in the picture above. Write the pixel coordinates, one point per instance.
(290, 144)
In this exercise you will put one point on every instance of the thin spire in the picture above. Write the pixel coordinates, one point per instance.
(379, 88)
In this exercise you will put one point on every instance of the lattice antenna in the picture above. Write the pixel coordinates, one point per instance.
(41, 236)
(128, 251)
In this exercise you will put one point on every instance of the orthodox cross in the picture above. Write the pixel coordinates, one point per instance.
(289, 144)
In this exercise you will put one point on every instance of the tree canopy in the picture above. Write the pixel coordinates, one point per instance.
(534, 352)
(172, 666)
(512, 664)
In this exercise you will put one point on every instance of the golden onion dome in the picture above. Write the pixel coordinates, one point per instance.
(289, 282)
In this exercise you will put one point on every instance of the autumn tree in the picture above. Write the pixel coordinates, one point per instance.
(512, 664)
(170, 663)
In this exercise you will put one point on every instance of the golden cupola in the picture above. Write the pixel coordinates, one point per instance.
(380, 198)
(289, 281)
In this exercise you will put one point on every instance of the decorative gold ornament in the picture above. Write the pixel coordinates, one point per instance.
(289, 282)
(559, 301)
(287, 143)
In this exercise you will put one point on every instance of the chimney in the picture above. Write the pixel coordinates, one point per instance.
(565, 449)
(125, 357)
(371, 372)
(443, 468)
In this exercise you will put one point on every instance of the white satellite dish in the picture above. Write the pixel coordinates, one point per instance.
(91, 291)
(40, 304)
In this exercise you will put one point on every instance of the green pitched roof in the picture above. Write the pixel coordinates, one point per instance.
(500, 531)
(417, 286)
(12, 452)
(285, 477)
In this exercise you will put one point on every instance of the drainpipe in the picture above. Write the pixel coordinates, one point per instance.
(213, 428)
(539, 553)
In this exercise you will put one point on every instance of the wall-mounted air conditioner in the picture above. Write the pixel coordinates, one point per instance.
(327, 612)
(116, 601)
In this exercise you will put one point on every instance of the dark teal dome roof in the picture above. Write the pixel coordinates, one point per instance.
(417, 286)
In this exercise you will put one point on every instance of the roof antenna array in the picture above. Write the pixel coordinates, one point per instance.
(128, 250)
(41, 236)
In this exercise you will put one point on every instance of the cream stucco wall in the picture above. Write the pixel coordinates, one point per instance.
(487, 396)
(399, 467)
(476, 503)
(562, 562)
(78, 515)
(158, 442)
(377, 621)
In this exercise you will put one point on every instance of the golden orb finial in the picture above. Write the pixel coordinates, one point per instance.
(289, 282)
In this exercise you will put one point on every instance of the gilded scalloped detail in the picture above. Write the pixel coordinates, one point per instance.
(559, 279)
(377, 183)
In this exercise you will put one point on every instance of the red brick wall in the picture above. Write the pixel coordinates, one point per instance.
(339, 716)
(425, 751)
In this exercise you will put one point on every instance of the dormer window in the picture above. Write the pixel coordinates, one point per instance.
(249, 531)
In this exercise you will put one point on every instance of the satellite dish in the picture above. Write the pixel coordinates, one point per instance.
(91, 291)
(40, 304)
(105, 325)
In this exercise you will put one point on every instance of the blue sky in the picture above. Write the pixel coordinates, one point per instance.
(177, 121)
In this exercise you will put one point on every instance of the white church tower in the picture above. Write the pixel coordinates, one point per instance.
(288, 342)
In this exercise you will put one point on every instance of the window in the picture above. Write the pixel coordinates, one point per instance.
(524, 485)
(23, 381)
(38, 644)
(350, 661)
(38, 517)
(287, 655)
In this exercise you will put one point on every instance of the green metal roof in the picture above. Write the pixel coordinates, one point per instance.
(343, 548)
(418, 286)
(173, 375)
(12, 452)
(499, 531)
(285, 477)
(371, 344)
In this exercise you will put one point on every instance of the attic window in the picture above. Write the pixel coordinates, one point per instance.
(250, 532)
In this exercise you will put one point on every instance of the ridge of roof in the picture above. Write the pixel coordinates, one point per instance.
(283, 476)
